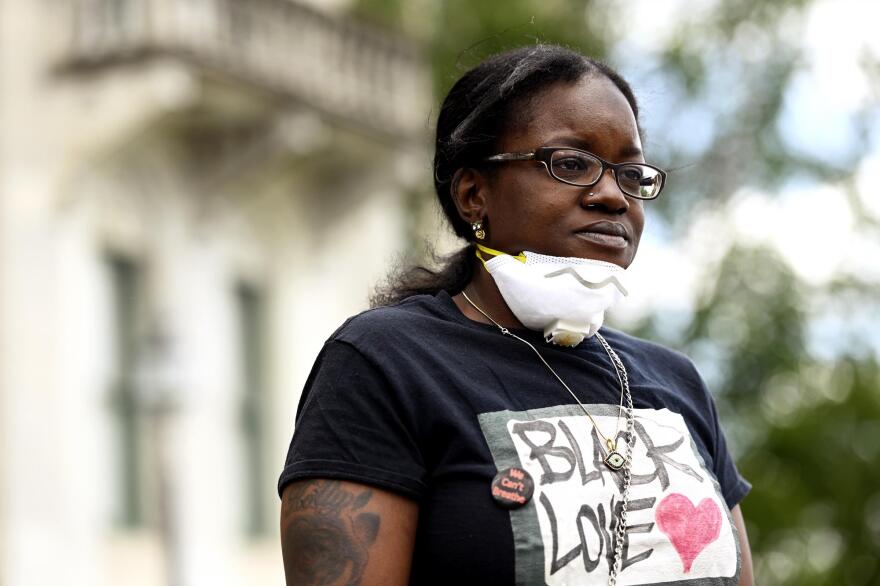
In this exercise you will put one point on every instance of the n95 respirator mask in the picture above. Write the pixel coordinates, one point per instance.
(565, 298)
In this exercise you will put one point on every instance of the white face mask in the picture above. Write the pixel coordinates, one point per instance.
(566, 298)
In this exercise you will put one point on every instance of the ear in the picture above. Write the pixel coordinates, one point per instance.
(469, 191)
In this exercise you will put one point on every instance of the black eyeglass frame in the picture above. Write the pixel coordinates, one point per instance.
(544, 156)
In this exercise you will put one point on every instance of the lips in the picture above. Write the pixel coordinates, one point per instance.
(605, 228)
(605, 234)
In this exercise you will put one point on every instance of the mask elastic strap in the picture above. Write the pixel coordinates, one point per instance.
(492, 252)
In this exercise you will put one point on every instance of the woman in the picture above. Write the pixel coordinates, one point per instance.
(478, 427)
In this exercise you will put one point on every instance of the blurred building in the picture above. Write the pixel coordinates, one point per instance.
(193, 195)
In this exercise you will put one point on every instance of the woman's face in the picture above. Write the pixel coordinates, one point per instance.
(527, 209)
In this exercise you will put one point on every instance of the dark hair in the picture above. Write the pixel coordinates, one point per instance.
(477, 111)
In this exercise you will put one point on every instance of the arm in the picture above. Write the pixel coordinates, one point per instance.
(746, 577)
(339, 532)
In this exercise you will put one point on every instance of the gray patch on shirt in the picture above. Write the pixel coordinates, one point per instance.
(529, 546)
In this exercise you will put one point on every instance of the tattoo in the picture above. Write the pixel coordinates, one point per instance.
(325, 533)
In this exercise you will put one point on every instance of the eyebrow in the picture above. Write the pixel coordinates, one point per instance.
(630, 150)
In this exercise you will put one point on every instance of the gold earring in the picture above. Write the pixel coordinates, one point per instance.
(479, 233)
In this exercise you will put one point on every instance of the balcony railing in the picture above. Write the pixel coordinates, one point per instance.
(336, 65)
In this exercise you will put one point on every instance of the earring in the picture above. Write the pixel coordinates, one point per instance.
(479, 233)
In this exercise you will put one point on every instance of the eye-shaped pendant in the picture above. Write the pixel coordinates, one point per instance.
(614, 461)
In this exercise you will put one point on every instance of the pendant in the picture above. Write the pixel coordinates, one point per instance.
(614, 460)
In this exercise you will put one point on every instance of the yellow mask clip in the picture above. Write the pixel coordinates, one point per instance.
(492, 252)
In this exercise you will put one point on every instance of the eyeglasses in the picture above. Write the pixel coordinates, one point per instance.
(577, 167)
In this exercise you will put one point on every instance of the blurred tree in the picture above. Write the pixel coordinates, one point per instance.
(804, 420)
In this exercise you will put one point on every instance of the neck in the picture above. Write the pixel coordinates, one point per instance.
(484, 292)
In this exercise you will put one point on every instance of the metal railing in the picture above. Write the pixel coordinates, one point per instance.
(338, 66)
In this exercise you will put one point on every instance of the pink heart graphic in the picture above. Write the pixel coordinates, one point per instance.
(690, 529)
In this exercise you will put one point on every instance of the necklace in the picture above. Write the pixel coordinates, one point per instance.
(613, 459)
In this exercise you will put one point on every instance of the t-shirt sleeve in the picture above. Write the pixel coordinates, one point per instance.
(733, 486)
(351, 425)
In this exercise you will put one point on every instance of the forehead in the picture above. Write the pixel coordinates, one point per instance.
(591, 113)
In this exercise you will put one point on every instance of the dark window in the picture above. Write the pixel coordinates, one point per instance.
(253, 396)
(125, 281)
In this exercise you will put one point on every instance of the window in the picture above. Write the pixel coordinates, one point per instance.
(103, 23)
(126, 290)
(253, 398)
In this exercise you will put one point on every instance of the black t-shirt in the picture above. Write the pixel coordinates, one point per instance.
(420, 400)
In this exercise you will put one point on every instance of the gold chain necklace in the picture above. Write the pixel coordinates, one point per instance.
(613, 459)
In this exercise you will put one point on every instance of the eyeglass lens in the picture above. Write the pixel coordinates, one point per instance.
(580, 168)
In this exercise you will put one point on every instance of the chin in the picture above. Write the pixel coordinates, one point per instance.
(620, 257)
(622, 263)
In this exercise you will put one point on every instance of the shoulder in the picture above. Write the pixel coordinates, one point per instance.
(653, 360)
(416, 319)
(645, 349)
(367, 355)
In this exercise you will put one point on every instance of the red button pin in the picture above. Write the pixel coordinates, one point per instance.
(512, 488)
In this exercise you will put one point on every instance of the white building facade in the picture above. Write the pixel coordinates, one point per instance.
(193, 195)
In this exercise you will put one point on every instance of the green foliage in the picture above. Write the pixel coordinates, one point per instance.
(753, 316)
(815, 508)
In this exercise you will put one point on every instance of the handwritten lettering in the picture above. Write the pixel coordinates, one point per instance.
(560, 455)
(559, 461)
(657, 455)
(595, 523)
(544, 452)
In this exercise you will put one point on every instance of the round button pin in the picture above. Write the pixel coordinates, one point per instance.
(512, 488)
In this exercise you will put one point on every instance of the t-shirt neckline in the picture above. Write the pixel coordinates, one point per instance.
(447, 305)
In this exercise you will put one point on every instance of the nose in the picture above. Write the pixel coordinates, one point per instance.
(606, 194)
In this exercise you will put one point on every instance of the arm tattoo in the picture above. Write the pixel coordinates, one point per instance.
(326, 535)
